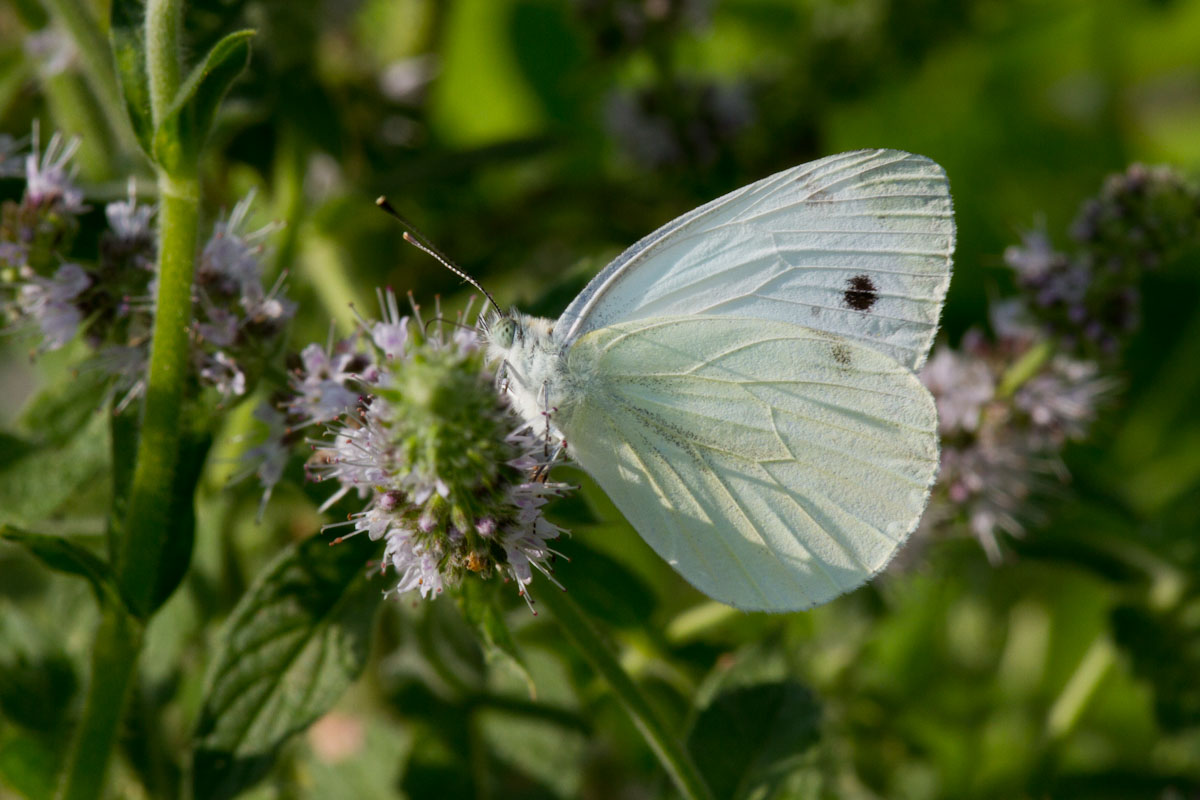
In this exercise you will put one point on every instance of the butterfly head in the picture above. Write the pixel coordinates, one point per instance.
(502, 330)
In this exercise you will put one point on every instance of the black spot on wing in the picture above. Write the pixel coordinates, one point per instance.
(840, 353)
(860, 293)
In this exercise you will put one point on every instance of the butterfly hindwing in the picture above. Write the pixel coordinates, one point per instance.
(774, 466)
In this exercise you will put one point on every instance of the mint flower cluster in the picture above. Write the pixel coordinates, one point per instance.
(1088, 298)
(237, 327)
(1001, 448)
(409, 424)
(1009, 403)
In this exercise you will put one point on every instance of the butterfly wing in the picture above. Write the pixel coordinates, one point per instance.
(857, 244)
(774, 466)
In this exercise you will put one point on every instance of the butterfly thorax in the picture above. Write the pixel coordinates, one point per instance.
(531, 368)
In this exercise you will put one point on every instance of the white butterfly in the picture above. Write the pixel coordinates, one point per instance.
(741, 381)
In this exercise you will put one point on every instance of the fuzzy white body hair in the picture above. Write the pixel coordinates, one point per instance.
(532, 368)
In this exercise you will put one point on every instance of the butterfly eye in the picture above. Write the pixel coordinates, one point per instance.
(504, 332)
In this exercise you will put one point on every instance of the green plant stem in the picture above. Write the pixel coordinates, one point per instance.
(164, 62)
(1080, 688)
(80, 22)
(140, 551)
(114, 663)
(669, 750)
(1068, 708)
(1027, 366)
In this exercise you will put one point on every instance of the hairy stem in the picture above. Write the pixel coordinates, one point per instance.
(139, 553)
(164, 53)
(114, 664)
(669, 750)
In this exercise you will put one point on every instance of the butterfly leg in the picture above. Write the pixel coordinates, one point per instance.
(502, 377)
(543, 469)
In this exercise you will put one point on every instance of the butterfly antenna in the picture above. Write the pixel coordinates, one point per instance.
(414, 237)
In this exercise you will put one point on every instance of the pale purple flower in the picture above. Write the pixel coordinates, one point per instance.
(1062, 401)
(961, 386)
(51, 49)
(50, 303)
(232, 255)
(1035, 258)
(128, 364)
(223, 373)
(221, 327)
(129, 221)
(12, 254)
(321, 390)
(390, 335)
(50, 176)
(269, 458)
(417, 564)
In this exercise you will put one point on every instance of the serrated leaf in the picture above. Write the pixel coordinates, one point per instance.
(479, 606)
(297, 639)
(185, 125)
(63, 555)
(750, 740)
(129, 54)
(35, 484)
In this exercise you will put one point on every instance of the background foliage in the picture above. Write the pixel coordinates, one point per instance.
(532, 140)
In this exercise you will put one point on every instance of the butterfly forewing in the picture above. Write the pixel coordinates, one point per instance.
(858, 244)
(774, 466)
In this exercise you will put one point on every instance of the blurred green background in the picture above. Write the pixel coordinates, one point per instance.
(532, 140)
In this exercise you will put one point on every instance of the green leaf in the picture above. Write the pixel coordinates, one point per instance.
(183, 129)
(63, 555)
(129, 54)
(601, 585)
(750, 742)
(296, 640)
(28, 766)
(1164, 649)
(38, 481)
(479, 605)
(58, 412)
(124, 459)
(36, 687)
(177, 555)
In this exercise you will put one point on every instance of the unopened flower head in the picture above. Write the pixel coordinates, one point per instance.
(426, 442)
(1088, 298)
